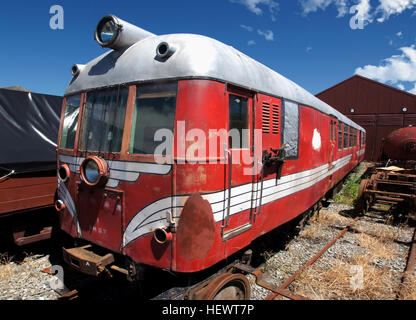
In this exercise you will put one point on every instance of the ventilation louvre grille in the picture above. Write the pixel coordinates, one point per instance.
(276, 119)
(266, 117)
(271, 118)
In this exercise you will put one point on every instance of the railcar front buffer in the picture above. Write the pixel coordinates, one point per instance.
(86, 261)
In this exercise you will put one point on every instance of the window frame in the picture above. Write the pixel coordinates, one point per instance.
(345, 142)
(81, 128)
(340, 136)
(79, 123)
(148, 157)
(249, 117)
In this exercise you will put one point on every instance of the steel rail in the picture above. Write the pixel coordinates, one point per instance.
(410, 266)
(289, 281)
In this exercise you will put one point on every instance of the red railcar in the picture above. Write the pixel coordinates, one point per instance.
(148, 172)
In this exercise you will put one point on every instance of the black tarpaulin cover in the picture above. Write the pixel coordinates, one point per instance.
(29, 130)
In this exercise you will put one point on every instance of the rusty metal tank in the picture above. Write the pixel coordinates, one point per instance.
(401, 144)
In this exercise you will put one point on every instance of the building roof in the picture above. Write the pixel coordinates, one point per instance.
(16, 88)
(195, 57)
(356, 76)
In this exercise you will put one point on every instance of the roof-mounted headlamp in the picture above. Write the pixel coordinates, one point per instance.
(117, 34)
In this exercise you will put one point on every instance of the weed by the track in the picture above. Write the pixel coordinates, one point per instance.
(349, 192)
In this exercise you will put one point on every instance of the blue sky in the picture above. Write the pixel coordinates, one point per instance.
(309, 41)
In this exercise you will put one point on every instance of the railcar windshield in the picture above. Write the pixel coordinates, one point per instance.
(69, 128)
(103, 120)
(154, 110)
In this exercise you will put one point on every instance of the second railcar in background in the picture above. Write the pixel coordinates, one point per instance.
(130, 190)
(28, 180)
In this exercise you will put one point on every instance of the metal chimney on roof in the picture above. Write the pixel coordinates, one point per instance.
(117, 34)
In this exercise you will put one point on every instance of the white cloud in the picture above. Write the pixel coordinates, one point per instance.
(381, 12)
(253, 6)
(393, 7)
(313, 6)
(248, 28)
(413, 90)
(268, 35)
(364, 8)
(401, 86)
(398, 68)
(251, 43)
(399, 34)
(342, 8)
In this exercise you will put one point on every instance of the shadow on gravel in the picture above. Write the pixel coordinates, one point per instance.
(274, 241)
(42, 248)
(350, 213)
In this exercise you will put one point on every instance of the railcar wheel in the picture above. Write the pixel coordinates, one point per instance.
(226, 286)
(363, 203)
(363, 187)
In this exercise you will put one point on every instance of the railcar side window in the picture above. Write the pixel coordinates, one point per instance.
(104, 116)
(355, 138)
(291, 129)
(333, 133)
(340, 136)
(154, 110)
(345, 136)
(238, 122)
(69, 128)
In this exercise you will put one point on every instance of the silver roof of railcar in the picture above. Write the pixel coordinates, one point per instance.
(196, 56)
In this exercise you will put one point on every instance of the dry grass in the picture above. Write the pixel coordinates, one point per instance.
(323, 220)
(383, 232)
(409, 288)
(337, 282)
(5, 267)
(312, 231)
(330, 218)
(377, 246)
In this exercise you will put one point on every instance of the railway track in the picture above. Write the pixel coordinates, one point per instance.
(236, 269)
(276, 292)
(410, 266)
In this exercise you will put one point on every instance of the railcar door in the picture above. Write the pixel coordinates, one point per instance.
(240, 171)
(268, 116)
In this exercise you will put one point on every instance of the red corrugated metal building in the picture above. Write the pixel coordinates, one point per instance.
(378, 108)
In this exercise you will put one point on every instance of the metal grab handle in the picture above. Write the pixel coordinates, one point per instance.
(261, 187)
(227, 219)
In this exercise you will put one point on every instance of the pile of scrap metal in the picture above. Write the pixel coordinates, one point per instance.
(28, 135)
(394, 183)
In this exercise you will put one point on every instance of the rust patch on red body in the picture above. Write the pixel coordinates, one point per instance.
(196, 228)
